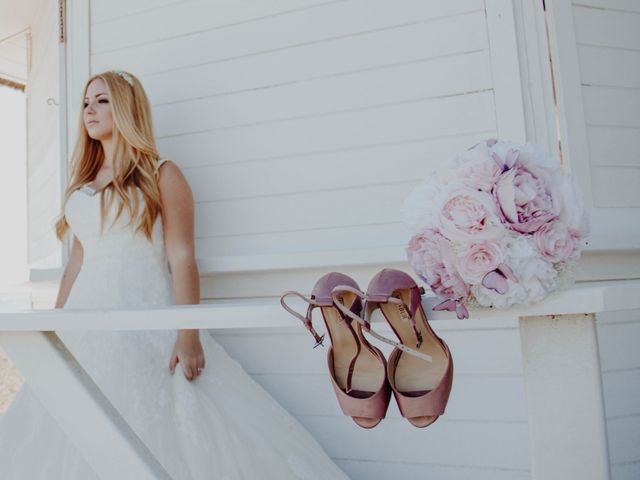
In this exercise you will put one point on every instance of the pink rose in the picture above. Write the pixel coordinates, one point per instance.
(477, 168)
(526, 197)
(469, 215)
(557, 243)
(479, 259)
(431, 258)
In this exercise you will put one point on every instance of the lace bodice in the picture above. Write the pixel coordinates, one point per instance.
(130, 269)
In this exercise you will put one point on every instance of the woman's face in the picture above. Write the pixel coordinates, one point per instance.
(97, 111)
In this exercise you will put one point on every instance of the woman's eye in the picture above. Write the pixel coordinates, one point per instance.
(103, 100)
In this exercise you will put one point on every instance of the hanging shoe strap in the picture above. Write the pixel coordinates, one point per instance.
(306, 320)
(367, 325)
(346, 318)
(414, 300)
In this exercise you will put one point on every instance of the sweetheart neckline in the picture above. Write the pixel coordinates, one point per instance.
(88, 190)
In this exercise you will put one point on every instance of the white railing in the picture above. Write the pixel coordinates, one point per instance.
(566, 425)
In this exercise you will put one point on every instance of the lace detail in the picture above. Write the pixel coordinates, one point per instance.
(222, 425)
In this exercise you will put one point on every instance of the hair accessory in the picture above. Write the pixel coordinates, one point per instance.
(125, 76)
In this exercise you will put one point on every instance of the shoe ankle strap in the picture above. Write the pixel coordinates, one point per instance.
(306, 320)
(366, 324)
(415, 298)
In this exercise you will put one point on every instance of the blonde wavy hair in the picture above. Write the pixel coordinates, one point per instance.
(134, 147)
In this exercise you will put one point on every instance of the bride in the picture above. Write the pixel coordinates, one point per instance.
(132, 220)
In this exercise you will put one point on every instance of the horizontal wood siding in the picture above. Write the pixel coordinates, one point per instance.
(302, 124)
(608, 41)
(618, 334)
(487, 402)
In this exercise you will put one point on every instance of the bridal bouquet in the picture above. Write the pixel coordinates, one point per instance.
(499, 225)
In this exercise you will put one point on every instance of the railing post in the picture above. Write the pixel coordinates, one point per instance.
(567, 427)
(87, 417)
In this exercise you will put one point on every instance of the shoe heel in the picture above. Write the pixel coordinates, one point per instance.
(356, 368)
(421, 388)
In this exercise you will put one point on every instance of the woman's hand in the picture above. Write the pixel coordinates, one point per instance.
(187, 351)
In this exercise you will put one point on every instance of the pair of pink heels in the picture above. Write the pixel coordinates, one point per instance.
(420, 368)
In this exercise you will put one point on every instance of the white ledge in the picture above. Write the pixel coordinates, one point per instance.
(581, 298)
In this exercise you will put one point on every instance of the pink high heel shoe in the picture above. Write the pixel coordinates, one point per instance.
(357, 368)
(421, 380)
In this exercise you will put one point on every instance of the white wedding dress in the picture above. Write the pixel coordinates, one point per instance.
(222, 425)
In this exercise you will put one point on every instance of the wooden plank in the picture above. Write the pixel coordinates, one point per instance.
(325, 170)
(473, 398)
(301, 241)
(624, 5)
(415, 81)
(24, 462)
(184, 18)
(606, 234)
(396, 123)
(327, 23)
(561, 368)
(625, 471)
(307, 210)
(375, 49)
(603, 66)
(624, 438)
(535, 75)
(506, 70)
(376, 470)
(616, 186)
(107, 12)
(90, 421)
(507, 449)
(606, 319)
(607, 28)
(621, 392)
(251, 352)
(611, 106)
(614, 146)
(618, 347)
(271, 283)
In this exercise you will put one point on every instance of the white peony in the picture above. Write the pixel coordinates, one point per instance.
(536, 277)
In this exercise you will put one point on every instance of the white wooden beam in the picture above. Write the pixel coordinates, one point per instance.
(89, 420)
(567, 426)
(593, 297)
(505, 67)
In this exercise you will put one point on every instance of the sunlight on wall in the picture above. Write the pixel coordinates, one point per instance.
(13, 208)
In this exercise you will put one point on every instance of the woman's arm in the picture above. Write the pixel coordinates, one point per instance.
(70, 272)
(178, 224)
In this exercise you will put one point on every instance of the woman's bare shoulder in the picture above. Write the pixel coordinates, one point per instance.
(174, 187)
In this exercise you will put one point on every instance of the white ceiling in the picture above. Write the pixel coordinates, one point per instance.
(16, 15)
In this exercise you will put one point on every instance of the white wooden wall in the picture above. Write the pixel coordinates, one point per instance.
(596, 52)
(43, 138)
(483, 435)
(618, 334)
(608, 39)
(302, 124)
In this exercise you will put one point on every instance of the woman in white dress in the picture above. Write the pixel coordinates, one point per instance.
(133, 245)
